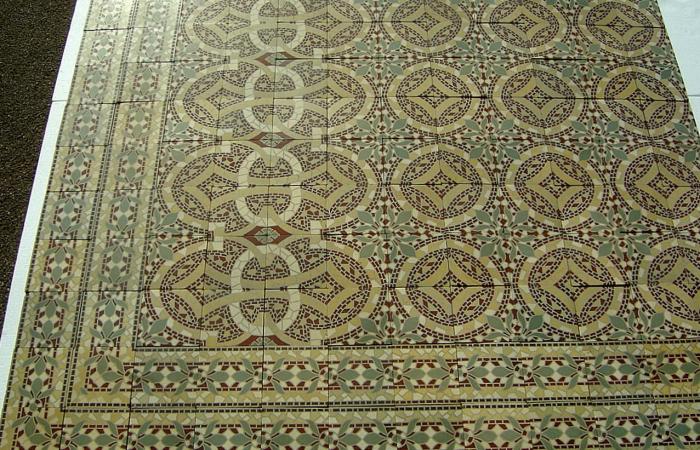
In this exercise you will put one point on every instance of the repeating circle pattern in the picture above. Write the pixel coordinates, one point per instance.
(273, 189)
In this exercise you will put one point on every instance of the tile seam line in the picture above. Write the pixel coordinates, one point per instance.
(30, 229)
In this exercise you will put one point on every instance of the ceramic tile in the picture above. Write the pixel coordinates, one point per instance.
(57, 265)
(630, 43)
(46, 324)
(163, 257)
(137, 124)
(96, 83)
(368, 42)
(291, 43)
(145, 81)
(84, 431)
(105, 379)
(591, 425)
(45, 427)
(154, 44)
(627, 12)
(534, 112)
(106, 15)
(504, 374)
(685, 420)
(161, 430)
(70, 215)
(102, 47)
(369, 224)
(77, 168)
(86, 125)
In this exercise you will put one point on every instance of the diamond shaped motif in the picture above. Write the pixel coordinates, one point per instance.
(427, 22)
(620, 25)
(689, 283)
(554, 185)
(640, 99)
(525, 23)
(571, 285)
(662, 185)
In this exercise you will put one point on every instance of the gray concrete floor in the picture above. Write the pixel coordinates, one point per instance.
(32, 36)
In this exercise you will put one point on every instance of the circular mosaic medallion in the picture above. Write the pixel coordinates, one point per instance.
(525, 26)
(660, 183)
(620, 28)
(636, 96)
(457, 265)
(223, 28)
(671, 279)
(439, 184)
(433, 97)
(573, 287)
(554, 187)
(234, 188)
(623, 41)
(617, 15)
(451, 312)
(538, 98)
(291, 27)
(425, 29)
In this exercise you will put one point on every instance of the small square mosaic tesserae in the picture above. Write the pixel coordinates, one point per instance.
(366, 224)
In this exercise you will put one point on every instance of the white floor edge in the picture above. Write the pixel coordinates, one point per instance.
(680, 18)
(695, 107)
(36, 202)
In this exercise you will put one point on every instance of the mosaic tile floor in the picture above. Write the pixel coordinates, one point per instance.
(368, 224)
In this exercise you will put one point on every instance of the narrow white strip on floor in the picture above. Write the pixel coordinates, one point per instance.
(681, 18)
(38, 194)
